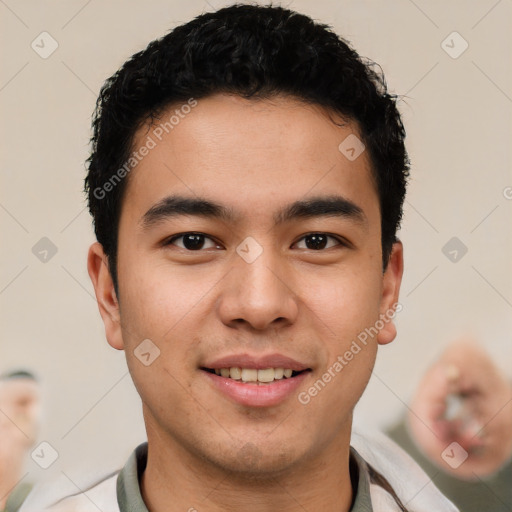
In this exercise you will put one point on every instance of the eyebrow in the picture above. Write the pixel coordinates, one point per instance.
(323, 206)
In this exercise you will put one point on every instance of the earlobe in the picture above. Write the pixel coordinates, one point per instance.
(97, 266)
(390, 294)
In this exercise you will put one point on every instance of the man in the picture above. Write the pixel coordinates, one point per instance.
(246, 182)
(19, 421)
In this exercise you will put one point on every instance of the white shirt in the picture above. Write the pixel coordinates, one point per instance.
(411, 484)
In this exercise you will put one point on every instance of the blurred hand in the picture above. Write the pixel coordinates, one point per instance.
(463, 398)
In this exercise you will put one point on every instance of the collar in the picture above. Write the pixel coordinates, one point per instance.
(130, 499)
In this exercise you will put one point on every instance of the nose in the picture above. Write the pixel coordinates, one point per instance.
(258, 295)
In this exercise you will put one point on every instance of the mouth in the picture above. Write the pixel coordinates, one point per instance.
(256, 376)
(256, 380)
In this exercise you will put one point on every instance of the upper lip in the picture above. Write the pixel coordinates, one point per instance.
(257, 362)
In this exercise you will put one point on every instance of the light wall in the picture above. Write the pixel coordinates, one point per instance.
(458, 115)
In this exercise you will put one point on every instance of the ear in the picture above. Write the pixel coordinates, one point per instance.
(389, 305)
(97, 265)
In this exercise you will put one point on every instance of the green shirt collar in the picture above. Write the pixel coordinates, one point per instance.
(130, 499)
(17, 497)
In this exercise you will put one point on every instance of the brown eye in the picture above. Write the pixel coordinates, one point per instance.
(318, 241)
(192, 241)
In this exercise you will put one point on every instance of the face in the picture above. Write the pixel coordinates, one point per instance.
(20, 403)
(248, 241)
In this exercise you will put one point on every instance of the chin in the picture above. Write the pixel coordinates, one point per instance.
(253, 461)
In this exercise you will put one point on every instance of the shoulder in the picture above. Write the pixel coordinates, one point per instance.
(17, 496)
(90, 494)
(411, 484)
(99, 494)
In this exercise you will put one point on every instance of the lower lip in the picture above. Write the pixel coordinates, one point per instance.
(257, 395)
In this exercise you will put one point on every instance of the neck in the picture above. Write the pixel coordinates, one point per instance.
(174, 475)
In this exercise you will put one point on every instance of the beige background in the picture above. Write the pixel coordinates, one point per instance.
(458, 114)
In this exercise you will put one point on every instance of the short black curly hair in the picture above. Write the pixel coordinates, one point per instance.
(254, 52)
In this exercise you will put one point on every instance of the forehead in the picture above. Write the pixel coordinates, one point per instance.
(16, 386)
(249, 154)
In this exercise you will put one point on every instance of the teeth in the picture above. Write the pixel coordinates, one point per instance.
(235, 373)
(266, 375)
(249, 375)
(252, 375)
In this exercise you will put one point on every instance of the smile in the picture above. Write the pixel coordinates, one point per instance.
(251, 387)
(253, 375)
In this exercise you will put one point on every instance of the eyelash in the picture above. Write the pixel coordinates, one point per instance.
(169, 241)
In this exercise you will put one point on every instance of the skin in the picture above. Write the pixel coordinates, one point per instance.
(255, 157)
(19, 411)
(482, 428)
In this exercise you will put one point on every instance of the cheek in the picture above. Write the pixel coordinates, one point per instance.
(162, 304)
(345, 310)
(347, 301)
(157, 298)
